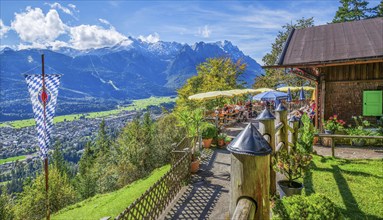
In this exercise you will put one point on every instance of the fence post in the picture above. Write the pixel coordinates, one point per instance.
(281, 116)
(250, 175)
(267, 128)
(294, 124)
(332, 147)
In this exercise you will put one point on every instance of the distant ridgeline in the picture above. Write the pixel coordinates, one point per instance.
(100, 79)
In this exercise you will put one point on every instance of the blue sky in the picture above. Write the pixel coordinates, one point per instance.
(250, 25)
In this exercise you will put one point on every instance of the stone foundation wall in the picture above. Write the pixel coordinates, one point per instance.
(346, 99)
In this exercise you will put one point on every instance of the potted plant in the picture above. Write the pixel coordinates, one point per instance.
(361, 130)
(193, 123)
(294, 163)
(221, 139)
(209, 131)
(227, 140)
(333, 124)
(195, 162)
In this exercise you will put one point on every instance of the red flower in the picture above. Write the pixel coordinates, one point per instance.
(331, 118)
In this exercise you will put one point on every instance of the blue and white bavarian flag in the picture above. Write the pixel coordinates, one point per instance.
(44, 119)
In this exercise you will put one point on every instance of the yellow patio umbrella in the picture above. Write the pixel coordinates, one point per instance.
(286, 88)
(308, 88)
(237, 91)
(210, 95)
(260, 90)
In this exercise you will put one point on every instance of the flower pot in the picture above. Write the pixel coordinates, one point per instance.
(315, 140)
(286, 190)
(227, 142)
(328, 132)
(195, 166)
(207, 142)
(221, 142)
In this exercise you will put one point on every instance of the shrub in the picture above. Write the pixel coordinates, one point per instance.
(315, 206)
(209, 131)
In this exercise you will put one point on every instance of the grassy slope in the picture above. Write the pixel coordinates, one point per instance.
(110, 204)
(12, 159)
(355, 186)
(137, 104)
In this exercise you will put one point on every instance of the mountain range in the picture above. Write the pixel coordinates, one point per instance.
(99, 79)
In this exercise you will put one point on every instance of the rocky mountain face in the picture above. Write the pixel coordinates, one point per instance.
(99, 79)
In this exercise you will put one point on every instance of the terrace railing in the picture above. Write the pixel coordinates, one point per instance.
(155, 200)
(333, 137)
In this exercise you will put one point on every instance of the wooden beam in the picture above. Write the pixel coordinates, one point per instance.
(322, 99)
(305, 75)
(328, 63)
(316, 104)
(361, 80)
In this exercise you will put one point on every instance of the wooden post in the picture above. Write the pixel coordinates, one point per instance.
(267, 127)
(316, 104)
(293, 136)
(250, 175)
(281, 116)
(322, 101)
(332, 147)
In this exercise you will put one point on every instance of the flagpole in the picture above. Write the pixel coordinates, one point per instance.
(46, 156)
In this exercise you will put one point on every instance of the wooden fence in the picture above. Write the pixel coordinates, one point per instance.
(280, 133)
(155, 200)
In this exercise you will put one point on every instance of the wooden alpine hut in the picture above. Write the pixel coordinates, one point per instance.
(345, 60)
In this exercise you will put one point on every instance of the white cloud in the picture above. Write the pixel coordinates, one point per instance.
(73, 7)
(151, 38)
(104, 21)
(33, 26)
(204, 32)
(34, 45)
(62, 8)
(55, 45)
(3, 29)
(92, 36)
(67, 10)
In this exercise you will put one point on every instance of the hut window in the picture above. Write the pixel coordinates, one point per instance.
(372, 103)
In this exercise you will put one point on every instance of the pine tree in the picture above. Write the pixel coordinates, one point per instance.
(86, 181)
(351, 10)
(102, 141)
(377, 11)
(58, 159)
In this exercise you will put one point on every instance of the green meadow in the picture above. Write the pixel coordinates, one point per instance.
(10, 159)
(111, 204)
(136, 105)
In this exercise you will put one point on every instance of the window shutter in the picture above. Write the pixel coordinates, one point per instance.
(372, 103)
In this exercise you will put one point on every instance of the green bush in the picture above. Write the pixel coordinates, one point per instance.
(209, 131)
(315, 206)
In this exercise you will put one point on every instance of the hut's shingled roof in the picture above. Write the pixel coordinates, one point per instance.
(335, 42)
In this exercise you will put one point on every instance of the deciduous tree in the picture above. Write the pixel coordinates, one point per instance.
(274, 78)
